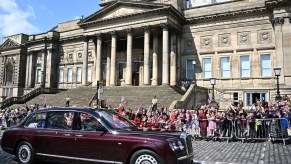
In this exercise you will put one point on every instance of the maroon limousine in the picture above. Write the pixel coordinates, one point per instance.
(93, 135)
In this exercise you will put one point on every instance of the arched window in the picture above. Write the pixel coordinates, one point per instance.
(9, 74)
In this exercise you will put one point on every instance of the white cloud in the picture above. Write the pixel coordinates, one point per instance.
(14, 20)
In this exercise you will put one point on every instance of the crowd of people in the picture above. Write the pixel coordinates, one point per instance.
(263, 120)
(12, 116)
(203, 122)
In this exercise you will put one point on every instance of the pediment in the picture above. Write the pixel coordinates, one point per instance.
(9, 44)
(122, 9)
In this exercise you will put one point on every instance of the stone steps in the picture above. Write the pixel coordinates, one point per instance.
(134, 95)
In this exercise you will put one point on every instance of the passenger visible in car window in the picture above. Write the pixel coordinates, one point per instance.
(57, 120)
(36, 121)
(69, 118)
(76, 124)
(89, 123)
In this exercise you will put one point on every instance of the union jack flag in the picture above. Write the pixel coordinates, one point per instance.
(122, 99)
(43, 98)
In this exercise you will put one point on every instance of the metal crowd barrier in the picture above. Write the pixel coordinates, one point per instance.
(272, 129)
(269, 129)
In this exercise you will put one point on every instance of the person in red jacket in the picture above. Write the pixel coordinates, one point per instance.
(203, 122)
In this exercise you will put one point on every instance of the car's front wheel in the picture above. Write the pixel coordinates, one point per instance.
(25, 153)
(145, 157)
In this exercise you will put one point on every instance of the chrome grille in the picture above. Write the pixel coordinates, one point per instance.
(187, 140)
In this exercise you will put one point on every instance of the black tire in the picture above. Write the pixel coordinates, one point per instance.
(145, 155)
(25, 153)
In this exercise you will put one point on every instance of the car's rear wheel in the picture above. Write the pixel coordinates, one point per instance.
(25, 153)
(145, 157)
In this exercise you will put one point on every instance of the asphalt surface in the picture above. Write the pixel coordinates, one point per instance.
(222, 152)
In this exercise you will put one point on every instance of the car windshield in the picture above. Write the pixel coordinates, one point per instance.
(115, 120)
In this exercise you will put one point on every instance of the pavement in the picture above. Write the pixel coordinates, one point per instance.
(215, 152)
(210, 152)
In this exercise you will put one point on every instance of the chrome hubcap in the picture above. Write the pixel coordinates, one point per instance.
(146, 159)
(24, 153)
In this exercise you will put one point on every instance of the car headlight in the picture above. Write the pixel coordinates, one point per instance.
(176, 145)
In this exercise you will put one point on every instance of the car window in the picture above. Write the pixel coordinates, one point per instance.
(60, 120)
(37, 120)
(88, 122)
(115, 121)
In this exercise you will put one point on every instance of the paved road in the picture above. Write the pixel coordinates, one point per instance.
(209, 152)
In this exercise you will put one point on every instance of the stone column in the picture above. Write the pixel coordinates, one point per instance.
(278, 23)
(43, 67)
(173, 66)
(85, 61)
(32, 68)
(98, 58)
(286, 30)
(27, 70)
(49, 68)
(165, 78)
(108, 61)
(113, 59)
(128, 77)
(146, 55)
(155, 60)
(178, 56)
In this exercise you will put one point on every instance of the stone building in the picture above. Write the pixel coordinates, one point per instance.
(159, 42)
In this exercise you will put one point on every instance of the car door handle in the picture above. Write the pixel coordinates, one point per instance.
(79, 135)
(67, 135)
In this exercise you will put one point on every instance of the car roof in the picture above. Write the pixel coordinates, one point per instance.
(88, 110)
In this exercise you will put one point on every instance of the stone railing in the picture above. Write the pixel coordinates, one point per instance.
(194, 97)
(19, 100)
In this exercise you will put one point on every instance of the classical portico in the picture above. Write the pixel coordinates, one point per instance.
(148, 60)
(146, 44)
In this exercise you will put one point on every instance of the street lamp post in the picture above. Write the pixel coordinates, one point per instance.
(213, 102)
(277, 72)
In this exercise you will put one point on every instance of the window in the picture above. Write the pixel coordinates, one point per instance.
(79, 74)
(60, 120)
(252, 98)
(121, 69)
(36, 121)
(244, 66)
(69, 75)
(89, 75)
(38, 76)
(225, 67)
(61, 75)
(266, 65)
(189, 70)
(88, 122)
(9, 73)
(207, 67)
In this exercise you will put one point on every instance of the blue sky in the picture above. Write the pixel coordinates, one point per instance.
(38, 16)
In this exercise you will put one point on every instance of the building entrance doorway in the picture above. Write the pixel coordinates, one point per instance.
(135, 79)
(252, 98)
(136, 72)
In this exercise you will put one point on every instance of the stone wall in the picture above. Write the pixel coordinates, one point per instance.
(68, 26)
